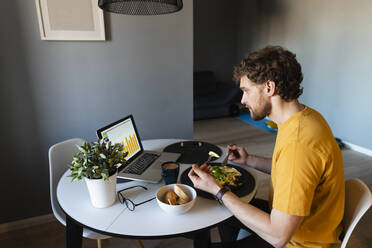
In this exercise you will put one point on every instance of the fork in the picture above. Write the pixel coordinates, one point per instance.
(224, 162)
(209, 159)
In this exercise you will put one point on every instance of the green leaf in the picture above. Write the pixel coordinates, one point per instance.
(81, 149)
(96, 160)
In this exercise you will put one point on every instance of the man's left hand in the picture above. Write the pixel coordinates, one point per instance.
(203, 180)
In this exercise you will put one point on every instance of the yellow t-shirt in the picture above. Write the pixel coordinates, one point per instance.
(307, 179)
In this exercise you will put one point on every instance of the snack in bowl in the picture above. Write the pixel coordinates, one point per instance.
(176, 198)
(170, 198)
(182, 196)
(225, 175)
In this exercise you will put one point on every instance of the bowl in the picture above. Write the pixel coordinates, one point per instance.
(176, 209)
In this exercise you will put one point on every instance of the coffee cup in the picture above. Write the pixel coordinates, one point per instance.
(169, 172)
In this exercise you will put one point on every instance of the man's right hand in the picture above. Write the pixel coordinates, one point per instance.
(238, 154)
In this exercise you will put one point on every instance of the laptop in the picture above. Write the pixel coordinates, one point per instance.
(141, 165)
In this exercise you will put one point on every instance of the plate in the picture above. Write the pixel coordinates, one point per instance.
(246, 181)
(193, 152)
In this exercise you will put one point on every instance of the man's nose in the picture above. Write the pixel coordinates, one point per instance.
(243, 100)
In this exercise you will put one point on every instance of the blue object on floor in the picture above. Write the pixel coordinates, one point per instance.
(261, 124)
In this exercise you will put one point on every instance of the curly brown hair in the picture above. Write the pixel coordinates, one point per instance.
(276, 64)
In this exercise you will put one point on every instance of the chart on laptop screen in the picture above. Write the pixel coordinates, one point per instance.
(125, 134)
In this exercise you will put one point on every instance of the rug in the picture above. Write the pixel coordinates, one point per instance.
(246, 117)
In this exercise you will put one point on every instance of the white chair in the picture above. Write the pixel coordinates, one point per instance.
(60, 155)
(358, 199)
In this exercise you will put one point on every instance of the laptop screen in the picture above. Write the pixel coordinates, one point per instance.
(124, 132)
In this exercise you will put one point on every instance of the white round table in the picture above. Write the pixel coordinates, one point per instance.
(147, 221)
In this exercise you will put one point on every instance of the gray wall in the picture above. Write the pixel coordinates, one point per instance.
(332, 40)
(54, 90)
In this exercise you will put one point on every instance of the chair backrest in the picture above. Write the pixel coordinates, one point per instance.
(358, 199)
(60, 155)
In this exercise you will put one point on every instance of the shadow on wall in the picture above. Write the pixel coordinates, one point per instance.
(271, 12)
(215, 33)
(21, 147)
(226, 31)
(107, 20)
(258, 21)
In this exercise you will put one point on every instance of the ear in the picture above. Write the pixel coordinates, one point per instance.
(270, 88)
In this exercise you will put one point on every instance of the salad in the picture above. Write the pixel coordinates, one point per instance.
(225, 175)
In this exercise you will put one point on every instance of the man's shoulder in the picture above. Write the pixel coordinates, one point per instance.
(309, 128)
(310, 139)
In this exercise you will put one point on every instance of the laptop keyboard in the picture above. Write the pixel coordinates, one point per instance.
(141, 164)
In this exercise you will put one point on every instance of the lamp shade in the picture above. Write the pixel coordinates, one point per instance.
(141, 7)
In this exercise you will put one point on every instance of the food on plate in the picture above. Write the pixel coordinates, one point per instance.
(213, 154)
(225, 175)
(176, 197)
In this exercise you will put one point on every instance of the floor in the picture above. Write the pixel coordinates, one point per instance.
(221, 131)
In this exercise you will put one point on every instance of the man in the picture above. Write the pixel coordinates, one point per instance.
(307, 191)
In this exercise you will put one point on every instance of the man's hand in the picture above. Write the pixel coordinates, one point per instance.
(203, 180)
(238, 154)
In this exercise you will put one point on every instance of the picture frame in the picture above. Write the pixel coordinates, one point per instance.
(73, 20)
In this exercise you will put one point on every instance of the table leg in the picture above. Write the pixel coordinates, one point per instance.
(202, 239)
(74, 234)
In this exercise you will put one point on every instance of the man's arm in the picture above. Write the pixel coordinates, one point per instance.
(260, 163)
(239, 155)
(276, 228)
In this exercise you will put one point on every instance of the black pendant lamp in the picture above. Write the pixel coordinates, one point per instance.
(141, 7)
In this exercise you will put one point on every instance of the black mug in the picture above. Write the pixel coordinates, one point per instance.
(170, 171)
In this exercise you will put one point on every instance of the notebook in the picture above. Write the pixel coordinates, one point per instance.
(141, 165)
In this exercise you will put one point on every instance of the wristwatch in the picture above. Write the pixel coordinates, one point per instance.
(220, 193)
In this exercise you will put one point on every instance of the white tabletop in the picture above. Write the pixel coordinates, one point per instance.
(147, 220)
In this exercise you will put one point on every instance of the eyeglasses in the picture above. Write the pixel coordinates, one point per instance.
(129, 203)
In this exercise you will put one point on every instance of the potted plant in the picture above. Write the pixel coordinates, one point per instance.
(98, 164)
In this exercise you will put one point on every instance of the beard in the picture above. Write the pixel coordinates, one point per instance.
(262, 112)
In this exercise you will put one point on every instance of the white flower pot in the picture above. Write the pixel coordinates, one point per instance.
(102, 193)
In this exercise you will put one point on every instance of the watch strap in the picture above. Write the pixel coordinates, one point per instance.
(220, 194)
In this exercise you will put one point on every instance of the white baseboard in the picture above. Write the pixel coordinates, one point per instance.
(25, 223)
(357, 148)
